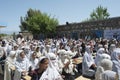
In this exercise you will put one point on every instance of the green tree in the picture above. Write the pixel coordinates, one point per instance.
(37, 22)
(99, 14)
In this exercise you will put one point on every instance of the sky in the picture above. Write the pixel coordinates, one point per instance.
(72, 11)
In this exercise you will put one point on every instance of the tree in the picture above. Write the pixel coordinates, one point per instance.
(37, 22)
(99, 14)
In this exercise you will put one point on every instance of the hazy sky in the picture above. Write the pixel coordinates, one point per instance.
(63, 10)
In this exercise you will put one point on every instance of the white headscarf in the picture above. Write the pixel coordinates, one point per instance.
(48, 48)
(41, 58)
(112, 47)
(12, 53)
(69, 53)
(54, 60)
(106, 46)
(100, 46)
(9, 63)
(61, 54)
(22, 63)
(98, 55)
(18, 55)
(108, 75)
(52, 56)
(87, 62)
(88, 49)
(115, 55)
(10, 57)
(50, 73)
(1, 51)
(116, 61)
(34, 62)
(103, 56)
(100, 51)
(105, 64)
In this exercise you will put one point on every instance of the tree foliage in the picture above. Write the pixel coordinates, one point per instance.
(99, 14)
(38, 22)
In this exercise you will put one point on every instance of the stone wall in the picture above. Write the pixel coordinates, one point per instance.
(82, 29)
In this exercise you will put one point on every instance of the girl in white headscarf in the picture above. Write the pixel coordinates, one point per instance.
(111, 49)
(106, 69)
(103, 56)
(116, 61)
(88, 64)
(98, 55)
(38, 53)
(33, 60)
(106, 49)
(69, 68)
(60, 58)
(10, 66)
(99, 71)
(22, 64)
(42, 66)
(65, 65)
(46, 71)
(53, 58)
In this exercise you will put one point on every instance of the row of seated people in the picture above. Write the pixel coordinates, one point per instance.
(103, 67)
(97, 69)
(18, 66)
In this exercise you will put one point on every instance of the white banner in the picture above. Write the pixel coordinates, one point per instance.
(112, 34)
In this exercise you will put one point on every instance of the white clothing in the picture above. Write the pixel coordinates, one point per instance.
(116, 61)
(21, 65)
(61, 65)
(105, 65)
(87, 62)
(38, 54)
(50, 73)
(9, 63)
(1, 52)
(8, 70)
(98, 73)
(103, 56)
(17, 75)
(108, 75)
(70, 67)
(33, 62)
(1, 55)
(98, 55)
(111, 49)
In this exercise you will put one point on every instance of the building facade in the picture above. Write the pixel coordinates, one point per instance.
(91, 29)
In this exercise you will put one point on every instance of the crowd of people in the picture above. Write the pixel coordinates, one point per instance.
(54, 59)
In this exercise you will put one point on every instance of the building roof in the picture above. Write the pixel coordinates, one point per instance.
(2, 26)
(113, 19)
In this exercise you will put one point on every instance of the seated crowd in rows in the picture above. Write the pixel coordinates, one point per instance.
(60, 59)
